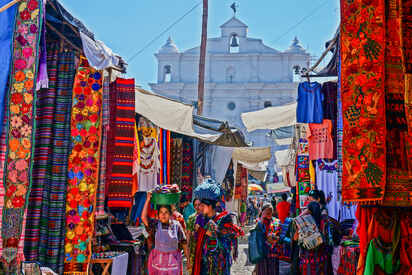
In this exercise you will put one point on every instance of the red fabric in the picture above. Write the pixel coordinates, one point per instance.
(197, 265)
(283, 209)
(363, 100)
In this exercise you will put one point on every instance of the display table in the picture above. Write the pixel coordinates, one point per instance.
(117, 261)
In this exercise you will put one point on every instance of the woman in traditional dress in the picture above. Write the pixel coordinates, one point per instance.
(315, 261)
(216, 237)
(267, 224)
(167, 235)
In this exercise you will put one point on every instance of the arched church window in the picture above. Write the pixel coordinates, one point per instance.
(167, 73)
(230, 74)
(234, 44)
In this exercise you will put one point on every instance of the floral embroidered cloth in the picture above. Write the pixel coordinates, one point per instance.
(83, 167)
(20, 125)
(363, 97)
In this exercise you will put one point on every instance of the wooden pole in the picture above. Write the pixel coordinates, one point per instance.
(8, 5)
(202, 59)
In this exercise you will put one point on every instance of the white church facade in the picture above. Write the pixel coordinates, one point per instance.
(242, 75)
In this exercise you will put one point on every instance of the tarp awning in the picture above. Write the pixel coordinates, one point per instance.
(252, 155)
(270, 118)
(178, 117)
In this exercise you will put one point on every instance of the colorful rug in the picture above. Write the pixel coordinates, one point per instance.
(121, 180)
(302, 165)
(100, 197)
(176, 159)
(83, 169)
(187, 167)
(47, 201)
(398, 190)
(20, 126)
(362, 69)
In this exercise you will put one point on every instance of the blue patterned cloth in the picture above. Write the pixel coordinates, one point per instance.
(7, 21)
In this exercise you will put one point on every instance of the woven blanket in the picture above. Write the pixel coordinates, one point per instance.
(20, 126)
(407, 57)
(83, 168)
(47, 201)
(121, 179)
(100, 197)
(176, 158)
(363, 100)
(398, 190)
(187, 167)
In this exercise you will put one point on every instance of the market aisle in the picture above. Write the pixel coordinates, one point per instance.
(241, 267)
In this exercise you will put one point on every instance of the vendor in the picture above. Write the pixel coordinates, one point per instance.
(168, 235)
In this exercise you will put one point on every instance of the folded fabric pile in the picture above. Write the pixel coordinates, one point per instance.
(209, 190)
(167, 189)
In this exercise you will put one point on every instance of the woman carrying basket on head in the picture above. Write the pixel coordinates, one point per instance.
(168, 237)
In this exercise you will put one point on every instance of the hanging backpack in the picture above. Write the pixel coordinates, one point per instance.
(309, 235)
(257, 247)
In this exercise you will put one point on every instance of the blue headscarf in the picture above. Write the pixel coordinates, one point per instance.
(209, 190)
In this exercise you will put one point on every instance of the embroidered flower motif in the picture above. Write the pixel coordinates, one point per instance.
(29, 74)
(22, 29)
(18, 202)
(32, 5)
(12, 176)
(21, 189)
(17, 98)
(26, 119)
(25, 15)
(28, 98)
(27, 52)
(22, 6)
(33, 28)
(26, 143)
(25, 108)
(16, 121)
(34, 14)
(16, 133)
(31, 38)
(20, 64)
(19, 76)
(26, 130)
(18, 87)
(21, 165)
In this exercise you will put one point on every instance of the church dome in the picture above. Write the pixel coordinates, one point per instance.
(296, 47)
(169, 47)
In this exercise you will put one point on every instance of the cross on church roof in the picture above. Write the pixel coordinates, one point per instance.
(234, 7)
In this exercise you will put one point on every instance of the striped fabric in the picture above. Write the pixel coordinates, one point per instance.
(121, 180)
(100, 196)
(46, 214)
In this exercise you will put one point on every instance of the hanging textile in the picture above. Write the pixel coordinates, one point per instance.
(406, 16)
(187, 167)
(176, 158)
(398, 190)
(47, 200)
(83, 168)
(21, 98)
(149, 166)
(363, 101)
(7, 21)
(164, 145)
(100, 196)
(3, 149)
(121, 180)
(302, 165)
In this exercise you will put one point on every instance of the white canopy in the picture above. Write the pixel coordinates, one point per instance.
(178, 117)
(270, 118)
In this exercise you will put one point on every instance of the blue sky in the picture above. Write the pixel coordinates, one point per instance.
(128, 25)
